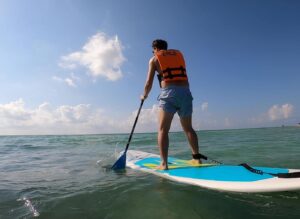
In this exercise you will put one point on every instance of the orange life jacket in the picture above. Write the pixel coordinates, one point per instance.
(172, 65)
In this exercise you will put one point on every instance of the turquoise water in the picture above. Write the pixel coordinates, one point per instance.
(63, 177)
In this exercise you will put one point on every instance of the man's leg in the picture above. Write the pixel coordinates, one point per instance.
(165, 120)
(186, 123)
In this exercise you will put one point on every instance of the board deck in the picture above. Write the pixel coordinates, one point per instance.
(212, 176)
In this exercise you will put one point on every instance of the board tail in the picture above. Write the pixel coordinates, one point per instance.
(279, 175)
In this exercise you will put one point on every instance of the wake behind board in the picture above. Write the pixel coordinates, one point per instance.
(217, 177)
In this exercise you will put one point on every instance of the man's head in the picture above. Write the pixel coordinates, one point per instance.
(160, 44)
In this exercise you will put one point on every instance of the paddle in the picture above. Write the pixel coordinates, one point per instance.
(121, 162)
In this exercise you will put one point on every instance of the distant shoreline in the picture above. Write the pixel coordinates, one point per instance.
(140, 133)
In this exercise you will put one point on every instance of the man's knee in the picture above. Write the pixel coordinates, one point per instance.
(163, 131)
(189, 130)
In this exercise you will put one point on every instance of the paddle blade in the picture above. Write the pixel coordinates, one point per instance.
(120, 163)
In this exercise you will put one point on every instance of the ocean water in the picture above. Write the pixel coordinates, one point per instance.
(64, 177)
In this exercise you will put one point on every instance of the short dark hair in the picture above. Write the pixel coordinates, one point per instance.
(160, 44)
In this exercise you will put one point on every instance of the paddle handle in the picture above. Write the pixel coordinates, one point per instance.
(132, 130)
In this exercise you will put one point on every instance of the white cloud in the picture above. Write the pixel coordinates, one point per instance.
(101, 55)
(148, 119)
(204, 106)
(274, 116)
(79, 119)
(70, 81)
(16, 118)
(280, 112)
(58, 79)
(14, 110)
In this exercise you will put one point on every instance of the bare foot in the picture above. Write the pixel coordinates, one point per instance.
(195, 161)
(162, 167)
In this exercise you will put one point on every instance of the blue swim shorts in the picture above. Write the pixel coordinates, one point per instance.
(178, 99)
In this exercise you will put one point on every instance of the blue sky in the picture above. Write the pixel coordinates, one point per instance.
(71, 67)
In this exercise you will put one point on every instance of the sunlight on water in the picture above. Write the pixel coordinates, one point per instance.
(30, 206)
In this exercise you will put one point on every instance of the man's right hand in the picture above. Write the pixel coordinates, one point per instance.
(143, 97)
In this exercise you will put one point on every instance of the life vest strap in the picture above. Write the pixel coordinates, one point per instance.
(168, 73)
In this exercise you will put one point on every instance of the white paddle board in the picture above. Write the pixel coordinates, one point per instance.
(214, 176)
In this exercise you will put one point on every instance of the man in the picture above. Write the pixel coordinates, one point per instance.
(175, 97)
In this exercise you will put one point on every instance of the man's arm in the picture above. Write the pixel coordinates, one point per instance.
(150, 77)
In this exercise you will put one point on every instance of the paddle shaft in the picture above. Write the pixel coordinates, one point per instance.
(132, 130)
